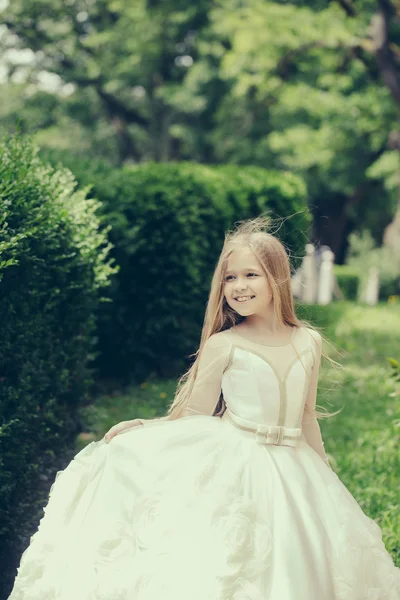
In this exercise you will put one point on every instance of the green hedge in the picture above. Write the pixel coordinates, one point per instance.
(168, 224)
(389, 288)
(53, 264)
(348, 280)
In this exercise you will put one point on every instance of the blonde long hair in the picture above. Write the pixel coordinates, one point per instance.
(220, 316)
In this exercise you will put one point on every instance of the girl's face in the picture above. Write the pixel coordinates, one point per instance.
(245, 277)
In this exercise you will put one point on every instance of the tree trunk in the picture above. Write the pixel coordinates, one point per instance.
(164, 145)
(332, 224)
(126, 147)
(391, 236)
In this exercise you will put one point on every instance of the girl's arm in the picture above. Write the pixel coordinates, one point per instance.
(206, 391)
(213, 361)
(310, 423)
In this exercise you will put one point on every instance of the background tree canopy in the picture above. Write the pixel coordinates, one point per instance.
(307, 86)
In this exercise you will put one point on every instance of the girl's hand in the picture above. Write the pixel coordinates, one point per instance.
(120, 427)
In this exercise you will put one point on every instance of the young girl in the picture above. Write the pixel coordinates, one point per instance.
(230, 496)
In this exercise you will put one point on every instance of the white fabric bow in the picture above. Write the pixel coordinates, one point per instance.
(269, 434)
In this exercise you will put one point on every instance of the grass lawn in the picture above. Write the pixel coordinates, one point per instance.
(362, 441)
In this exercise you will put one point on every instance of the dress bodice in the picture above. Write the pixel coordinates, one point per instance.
(263, 384)
(268, 384)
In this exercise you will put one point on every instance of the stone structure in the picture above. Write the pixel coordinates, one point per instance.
(315, 281)
(370, 293)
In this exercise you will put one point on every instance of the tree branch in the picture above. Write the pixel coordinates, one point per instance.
(348, 7)
(118, 108)
(385, 56)
(286, 61)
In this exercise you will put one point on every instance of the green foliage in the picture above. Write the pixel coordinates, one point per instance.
(301, 96)
(112, 405)
(348, 280)
(390, 288)
(121, 65)
(280, 192)
(248, 81)
(395, 374)
(168, 224)
(387, 167)
(364, 253)
(364, 438)
(284, 85)
(53, 264)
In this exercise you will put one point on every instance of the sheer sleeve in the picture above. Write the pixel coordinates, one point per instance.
(213, 361)
(310, 425)
(206, 391)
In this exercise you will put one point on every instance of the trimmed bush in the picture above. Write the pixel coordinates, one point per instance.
(389, 288)
(168, 224)
(348, 280)
(53, 264)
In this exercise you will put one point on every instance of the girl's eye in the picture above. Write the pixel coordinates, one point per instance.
(229, 276)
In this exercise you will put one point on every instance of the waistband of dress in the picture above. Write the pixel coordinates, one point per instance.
(278, 435)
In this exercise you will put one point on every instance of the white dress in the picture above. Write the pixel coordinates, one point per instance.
(241, 507)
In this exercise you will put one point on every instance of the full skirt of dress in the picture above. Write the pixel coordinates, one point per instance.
(195, 509)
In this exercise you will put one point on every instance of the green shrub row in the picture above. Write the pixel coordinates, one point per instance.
(53, 263)
(389, 288)
(168, 223)
(349, 280)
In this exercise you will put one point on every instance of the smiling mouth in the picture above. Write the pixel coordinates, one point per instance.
(244, 299)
